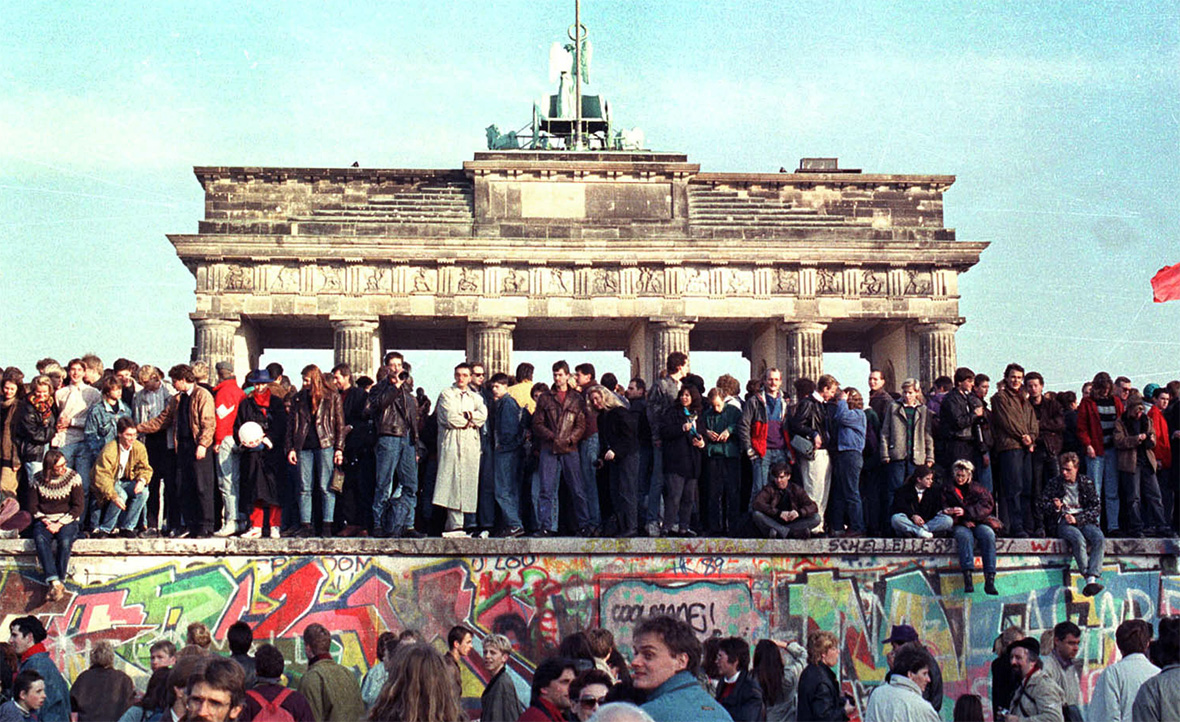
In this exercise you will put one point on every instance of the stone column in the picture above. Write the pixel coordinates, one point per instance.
(667, 335)
(356, 342)
(247, 350)
(767, 349)
(936, 350)
(638, 350)
(489, 342)
(214, 340)
(805, 352)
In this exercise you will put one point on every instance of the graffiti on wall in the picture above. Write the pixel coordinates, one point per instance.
(537, 600)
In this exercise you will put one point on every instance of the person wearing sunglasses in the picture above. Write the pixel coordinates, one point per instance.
(588, 692)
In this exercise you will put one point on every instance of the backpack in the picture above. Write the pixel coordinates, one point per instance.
(272, 711)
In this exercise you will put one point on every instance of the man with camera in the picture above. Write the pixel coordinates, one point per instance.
(394, 412)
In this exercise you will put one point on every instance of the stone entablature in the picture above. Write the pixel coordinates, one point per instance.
(731, 283)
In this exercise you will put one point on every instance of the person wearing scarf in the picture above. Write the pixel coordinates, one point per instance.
(35, 424)
(260, 462)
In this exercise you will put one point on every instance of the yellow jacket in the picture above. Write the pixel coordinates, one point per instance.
(107, 466)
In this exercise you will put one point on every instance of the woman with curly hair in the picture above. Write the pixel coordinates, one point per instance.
(420, 689)
(35, 424)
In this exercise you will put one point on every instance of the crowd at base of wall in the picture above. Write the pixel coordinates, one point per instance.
(536, 592)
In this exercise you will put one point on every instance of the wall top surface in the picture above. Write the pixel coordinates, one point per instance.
(835, 549)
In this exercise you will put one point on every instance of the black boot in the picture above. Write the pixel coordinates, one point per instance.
(968, 583)
(989, 584)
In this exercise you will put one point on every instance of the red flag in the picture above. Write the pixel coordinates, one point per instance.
(1166, 284)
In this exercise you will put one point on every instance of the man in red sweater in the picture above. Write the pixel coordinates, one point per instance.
(226, 397)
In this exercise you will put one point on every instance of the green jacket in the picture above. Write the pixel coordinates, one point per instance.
(727, 420)
(333, 692)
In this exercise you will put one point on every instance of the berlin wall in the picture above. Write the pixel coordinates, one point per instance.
(135, 592)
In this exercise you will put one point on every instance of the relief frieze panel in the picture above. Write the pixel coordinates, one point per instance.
(872, 282)
(423, 280)
(739, 282)
(829, 281)
(786, 281)
(284, 279)
(515, 282)
(918, 283)
(541, 280)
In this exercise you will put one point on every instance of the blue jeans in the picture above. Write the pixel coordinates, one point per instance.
(80, 459)
(1141, 499)
(1016, 477)
(588, 453)
(228, 481)
(318, 461)
(507, 482)
(129, 517)
(485, 506)
(395, 455)
(905, 526)
(56, 563)
(31, 468)
(761, 466)
(845, 507)
(1087, 544)
(644, 481)
(1104, 472)
(553, 468)
(966, 539)
(896, 472)
(655, 489)
(535, 498)
(983, 474)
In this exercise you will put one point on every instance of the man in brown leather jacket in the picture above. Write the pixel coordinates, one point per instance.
(191, 416)
(558, 426)
(782, 510)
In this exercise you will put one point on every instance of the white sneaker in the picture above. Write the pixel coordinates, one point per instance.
(925, 534)
(253, 532)
(226, 530)
(455, 534)
(274, 532)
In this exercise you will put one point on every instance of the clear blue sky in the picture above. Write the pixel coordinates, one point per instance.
(1060, 119)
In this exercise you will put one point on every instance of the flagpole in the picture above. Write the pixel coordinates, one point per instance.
(578, 74)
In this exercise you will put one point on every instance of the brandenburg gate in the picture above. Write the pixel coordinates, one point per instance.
(533, 249)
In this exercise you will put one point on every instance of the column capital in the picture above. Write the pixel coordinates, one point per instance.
(355, 322)
(804, 326)
(492, 323)
(201, 320)
(938, 325)
(673, 323)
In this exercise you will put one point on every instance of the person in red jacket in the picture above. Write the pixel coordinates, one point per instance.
(1161, 399)
(1096, 416)
(226, 397)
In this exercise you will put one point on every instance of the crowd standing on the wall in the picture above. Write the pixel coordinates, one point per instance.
(672, 677)
(131, 451)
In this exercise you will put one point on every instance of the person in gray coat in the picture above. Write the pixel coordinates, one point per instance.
(499, 702)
